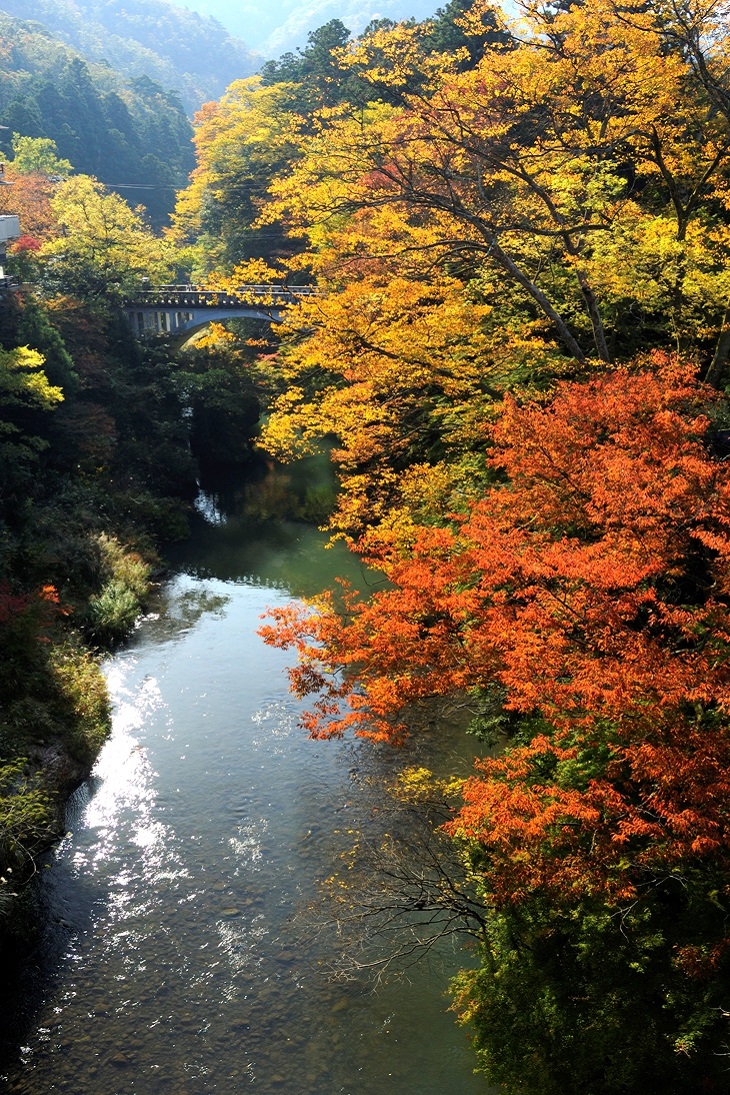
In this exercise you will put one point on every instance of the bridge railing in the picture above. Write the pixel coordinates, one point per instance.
(193, 296)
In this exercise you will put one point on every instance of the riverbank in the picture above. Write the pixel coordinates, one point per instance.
(57, 720)
(173, 957)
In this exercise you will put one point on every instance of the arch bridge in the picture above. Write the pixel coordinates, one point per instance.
(181, 310)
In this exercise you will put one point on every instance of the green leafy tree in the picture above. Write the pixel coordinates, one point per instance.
(106, 247)
(25, 395)
(317, 72)
(38, 155)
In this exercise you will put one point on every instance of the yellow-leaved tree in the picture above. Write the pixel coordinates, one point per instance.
(106, 246)
(584, 165)
(240, 142)
(559, 203)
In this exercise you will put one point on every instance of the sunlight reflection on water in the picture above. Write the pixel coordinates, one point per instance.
(205, 828)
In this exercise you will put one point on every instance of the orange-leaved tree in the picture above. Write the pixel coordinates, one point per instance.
(592, 584)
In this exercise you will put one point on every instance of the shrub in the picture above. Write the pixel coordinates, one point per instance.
(111, 613)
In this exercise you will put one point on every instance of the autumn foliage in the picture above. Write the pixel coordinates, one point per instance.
(511, 215)
(591, 581)
(594, 146)
(29, 198)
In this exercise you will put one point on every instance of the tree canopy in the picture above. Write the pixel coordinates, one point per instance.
(520, 350)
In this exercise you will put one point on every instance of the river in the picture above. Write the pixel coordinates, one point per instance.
(174, 961)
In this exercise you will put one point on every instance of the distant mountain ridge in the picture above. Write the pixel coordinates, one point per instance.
(188, 53)
(130, 133)
(276, 28)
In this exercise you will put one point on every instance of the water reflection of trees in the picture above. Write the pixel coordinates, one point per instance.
(397, 890)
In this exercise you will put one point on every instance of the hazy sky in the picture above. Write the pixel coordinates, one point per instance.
(273, 29)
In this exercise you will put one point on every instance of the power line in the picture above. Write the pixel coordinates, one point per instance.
(141, 186)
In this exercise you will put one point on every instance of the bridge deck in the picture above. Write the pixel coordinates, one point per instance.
(191, 296)
(183, 309)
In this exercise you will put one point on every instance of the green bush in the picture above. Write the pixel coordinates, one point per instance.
(28, 818)
(110, 614)
(81, 699)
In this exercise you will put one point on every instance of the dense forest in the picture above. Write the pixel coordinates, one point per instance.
(519, 228)
(128, 133)
(187, 53)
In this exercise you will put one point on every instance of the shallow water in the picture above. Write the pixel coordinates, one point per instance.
(173, 963)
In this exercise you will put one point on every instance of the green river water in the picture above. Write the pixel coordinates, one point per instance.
(173, 961)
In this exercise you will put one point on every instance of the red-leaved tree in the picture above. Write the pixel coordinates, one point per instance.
(592, 583)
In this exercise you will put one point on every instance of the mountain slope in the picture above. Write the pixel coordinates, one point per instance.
(131, 134)
(276, 28)
(177, 48)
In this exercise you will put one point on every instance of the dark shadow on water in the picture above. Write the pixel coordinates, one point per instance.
(265, 490)
(263, 526)
(59, 907)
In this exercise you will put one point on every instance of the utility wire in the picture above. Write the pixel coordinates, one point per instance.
(140, 186)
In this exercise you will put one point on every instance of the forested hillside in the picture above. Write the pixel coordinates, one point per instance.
(133, 134)
(188, 54)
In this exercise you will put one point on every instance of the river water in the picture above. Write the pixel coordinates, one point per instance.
(174, 961)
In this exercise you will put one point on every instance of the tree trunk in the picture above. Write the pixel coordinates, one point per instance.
(717, 366)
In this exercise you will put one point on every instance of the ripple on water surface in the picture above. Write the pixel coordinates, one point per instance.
(173, 964)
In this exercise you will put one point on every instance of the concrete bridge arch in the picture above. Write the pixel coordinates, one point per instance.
(180, 311)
